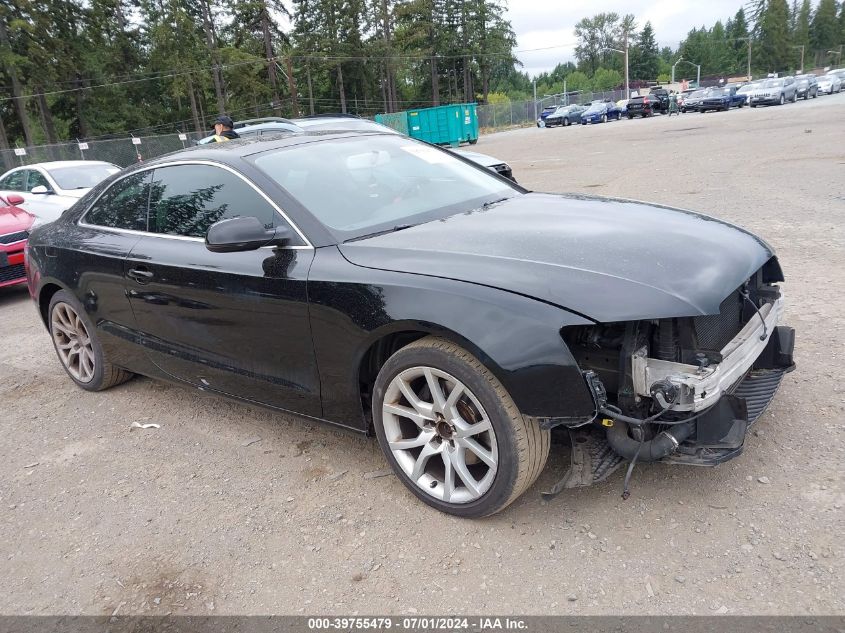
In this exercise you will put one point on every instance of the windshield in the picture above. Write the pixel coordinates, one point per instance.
(596, 107)
(697, 94)
(364, 184)
(773, 83)
(747, 88)
(81, 176)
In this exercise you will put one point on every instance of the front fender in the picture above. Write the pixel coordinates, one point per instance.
(517, 338)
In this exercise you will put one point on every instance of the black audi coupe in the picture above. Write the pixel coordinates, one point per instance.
(387, 286)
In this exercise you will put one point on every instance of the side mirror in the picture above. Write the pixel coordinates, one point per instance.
(40, 189)
(14, 200)
(243, 234)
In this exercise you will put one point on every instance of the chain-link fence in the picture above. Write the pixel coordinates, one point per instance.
(120, 151)
(128, 150)
(497, 116)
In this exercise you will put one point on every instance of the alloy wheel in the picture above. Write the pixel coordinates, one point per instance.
(72, 342)
(440, 435)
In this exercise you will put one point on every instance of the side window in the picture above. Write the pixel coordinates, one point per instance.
(187, 199)
(36, 179)
(124, 204)
(16, 181)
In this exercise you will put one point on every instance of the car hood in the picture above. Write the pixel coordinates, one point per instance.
(607, 259)
(14, 219)
(482, 159)
(76, 194)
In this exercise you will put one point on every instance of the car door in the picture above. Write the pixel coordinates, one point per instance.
(235, 323)
(93, 257)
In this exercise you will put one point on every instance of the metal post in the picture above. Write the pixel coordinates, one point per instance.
(81, 153)
(698, 77)
(535, 99)
(565, 94)
(627, 89)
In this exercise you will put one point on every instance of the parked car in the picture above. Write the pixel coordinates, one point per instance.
(14, 231)
(49, 188)
(808, 86)
(546, 112)
(721, 99)
(659, 98)
(774, 91)
(382, 284)
(623, 106)
(745, 90)
(565, 115)
(601, 112)
(642, 106)
(693, 101)
(259, 128)
(839, 72)
(336, 123)
(829, 84)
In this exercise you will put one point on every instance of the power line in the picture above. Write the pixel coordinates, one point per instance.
(302, 57)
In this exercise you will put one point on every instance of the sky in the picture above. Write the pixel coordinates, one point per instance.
(551, 23)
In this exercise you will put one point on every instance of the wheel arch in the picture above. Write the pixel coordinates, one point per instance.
(45, 295)
(527, 355)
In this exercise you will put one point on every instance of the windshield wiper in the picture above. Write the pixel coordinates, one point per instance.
(398, 227)
(487, 205)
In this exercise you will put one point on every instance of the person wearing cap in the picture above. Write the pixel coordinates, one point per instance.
(223, 129)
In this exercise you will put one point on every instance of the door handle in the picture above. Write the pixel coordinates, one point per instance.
(141, 275)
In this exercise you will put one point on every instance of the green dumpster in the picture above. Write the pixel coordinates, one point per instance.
(441, 125)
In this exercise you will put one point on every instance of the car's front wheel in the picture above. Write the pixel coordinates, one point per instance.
(451, 431)
(782, 99)
(566, 122)
(604, 118)
(79, 350)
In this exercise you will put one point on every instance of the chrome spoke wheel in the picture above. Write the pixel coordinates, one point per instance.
(72, 342)
(440, 435)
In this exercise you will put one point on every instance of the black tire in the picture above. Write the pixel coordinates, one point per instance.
(473, 141)
(566, 122)
(522, 446)
(604, 118)
(782, 99)
(105, 374)
(630, 116)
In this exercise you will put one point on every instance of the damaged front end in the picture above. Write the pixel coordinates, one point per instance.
(682, 390)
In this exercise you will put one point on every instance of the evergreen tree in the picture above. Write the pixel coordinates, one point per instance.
(824, 30)
(645, 56)
(773, 48)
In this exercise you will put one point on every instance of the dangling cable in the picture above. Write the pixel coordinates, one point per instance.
(745, 295)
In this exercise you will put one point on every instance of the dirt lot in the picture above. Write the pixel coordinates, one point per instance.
(236, 510)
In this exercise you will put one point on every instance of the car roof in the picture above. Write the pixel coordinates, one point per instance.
(242, 147)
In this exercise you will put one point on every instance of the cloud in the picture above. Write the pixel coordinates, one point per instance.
(552, 24)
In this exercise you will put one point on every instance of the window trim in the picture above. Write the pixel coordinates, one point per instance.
(178, 163)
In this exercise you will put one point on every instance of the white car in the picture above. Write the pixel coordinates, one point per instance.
(50, 188)
(828, 84)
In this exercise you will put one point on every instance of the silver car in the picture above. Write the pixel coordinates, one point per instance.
(829, 84)
(774, 91)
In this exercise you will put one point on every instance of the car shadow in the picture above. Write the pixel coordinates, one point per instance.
(11, 295)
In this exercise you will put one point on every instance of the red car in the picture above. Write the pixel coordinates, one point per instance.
(14, 231)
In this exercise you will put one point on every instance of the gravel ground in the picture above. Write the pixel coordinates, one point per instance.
(229, 509)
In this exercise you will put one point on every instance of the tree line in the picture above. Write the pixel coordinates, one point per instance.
(88, 68)
(779, 36)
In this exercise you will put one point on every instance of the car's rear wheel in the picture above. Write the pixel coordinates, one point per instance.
(79, 350)
(452, 433)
